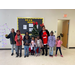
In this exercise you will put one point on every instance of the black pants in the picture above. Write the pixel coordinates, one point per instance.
(32, 51)
(59, 50)
(45, 47)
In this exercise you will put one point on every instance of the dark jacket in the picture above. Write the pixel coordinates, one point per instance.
(24, 39)
(28, 35)
(12, 38)
(41, 33)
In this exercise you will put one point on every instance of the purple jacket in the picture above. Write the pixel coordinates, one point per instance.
(51, 41)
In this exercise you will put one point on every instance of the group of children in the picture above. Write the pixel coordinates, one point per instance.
(16, 40)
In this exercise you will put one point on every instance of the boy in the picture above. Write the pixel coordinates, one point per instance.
(26, 42)
(18, 39)
(12, 40)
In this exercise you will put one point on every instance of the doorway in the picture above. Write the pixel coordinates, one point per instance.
(63, 31)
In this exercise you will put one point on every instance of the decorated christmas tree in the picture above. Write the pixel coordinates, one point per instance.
(35, 31)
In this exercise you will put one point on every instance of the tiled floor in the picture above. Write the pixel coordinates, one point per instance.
(68, 59)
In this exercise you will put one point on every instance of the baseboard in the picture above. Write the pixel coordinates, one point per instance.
(71, 47)
(10, 48)
(7, 48)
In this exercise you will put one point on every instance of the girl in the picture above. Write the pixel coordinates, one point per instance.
(51, 43)
(26, 42)
(18, 39)
(58, 46)
(27, 33)
(32, 46)
(39, 44)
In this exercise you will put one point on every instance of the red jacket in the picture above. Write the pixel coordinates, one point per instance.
(18, 43)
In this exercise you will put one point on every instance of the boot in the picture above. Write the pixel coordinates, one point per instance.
(17, 55)
(42, 53)
(12, 54)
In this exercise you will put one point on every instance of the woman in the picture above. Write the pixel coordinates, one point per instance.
(44, 36)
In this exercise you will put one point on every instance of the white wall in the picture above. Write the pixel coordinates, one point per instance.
(59, 27)
(50, 19)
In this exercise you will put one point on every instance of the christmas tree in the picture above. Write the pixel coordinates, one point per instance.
(35, 31)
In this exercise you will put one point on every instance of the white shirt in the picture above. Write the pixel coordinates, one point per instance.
(38, 43)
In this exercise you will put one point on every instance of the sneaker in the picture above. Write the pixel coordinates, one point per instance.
(55, 55)
(24, 56)
(12, 54)
(16, 52)
(17, 56)
(51, 55)
(27, 55)
(36, 55)
(61, 55)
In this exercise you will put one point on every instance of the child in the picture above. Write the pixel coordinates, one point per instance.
(39, 44)
(27, 33)
(51, 43)
(26, 42)
(12, 41)
(58, 46)
(18, 39)
(32, 46)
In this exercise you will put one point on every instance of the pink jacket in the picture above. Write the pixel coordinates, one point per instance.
(41, 44)
(58, 43)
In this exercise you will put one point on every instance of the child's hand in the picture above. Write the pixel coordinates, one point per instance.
(23, 42)
(17, 38)
(56, 41)
(6, 35)
(26, 43)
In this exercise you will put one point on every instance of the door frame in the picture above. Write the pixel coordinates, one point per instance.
(68, 30)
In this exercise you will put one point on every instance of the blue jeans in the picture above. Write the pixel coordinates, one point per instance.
(36, 49)
(26, 49)
(19, 48)
(50, 50)
(12, 48)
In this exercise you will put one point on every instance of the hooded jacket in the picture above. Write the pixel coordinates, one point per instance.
(12, 37)
(51, 41)
(18, 43)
